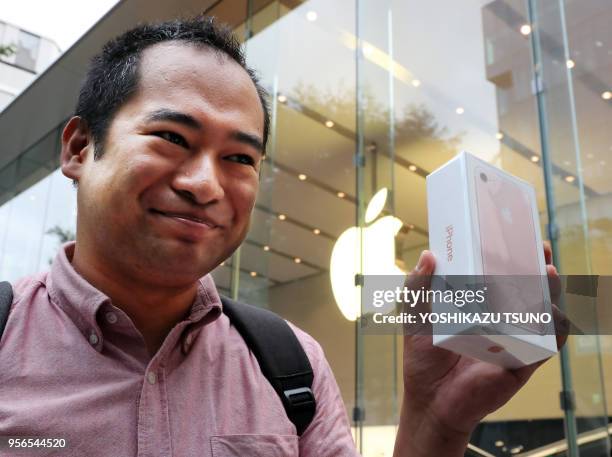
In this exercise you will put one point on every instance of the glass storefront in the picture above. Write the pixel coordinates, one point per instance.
(369, 95)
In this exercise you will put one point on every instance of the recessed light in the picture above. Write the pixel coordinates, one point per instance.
(302, 177)
(607, 95)
(282, 98)
(282, 217)
(412, 168)
(570, 178)
(316, 231)
(525, 29)
(499, 135)
(341, 194)
(311, 16)
(266, 248)
(416, 82)
(460, 110)
(253, 273)
(535, 159)
(329, 124)
(569, 63)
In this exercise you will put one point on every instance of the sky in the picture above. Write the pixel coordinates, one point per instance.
(63, 21)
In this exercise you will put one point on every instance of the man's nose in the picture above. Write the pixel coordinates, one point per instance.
(199, 180)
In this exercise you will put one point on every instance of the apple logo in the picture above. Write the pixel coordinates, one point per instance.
(376, 242)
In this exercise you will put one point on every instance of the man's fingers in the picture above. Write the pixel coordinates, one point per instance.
(562, 326)
(554, 283)
(419, 279)
(547, 253)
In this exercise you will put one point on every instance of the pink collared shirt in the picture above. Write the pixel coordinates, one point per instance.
(74, 366)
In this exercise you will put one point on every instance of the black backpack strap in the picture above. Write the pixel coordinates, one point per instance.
(6, 300)
(281, 358)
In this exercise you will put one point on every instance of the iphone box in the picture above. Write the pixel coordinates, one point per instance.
(484, 233)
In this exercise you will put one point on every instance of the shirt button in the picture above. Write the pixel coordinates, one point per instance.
(151, 377)
(93, 339)
(111, 318)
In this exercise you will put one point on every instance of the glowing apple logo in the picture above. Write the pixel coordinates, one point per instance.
(378, 249)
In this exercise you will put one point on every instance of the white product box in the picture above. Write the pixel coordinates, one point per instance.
(484, 222)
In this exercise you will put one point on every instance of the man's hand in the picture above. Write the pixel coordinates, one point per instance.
(445, 394)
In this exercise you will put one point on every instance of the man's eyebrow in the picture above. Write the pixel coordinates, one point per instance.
(165, 114)
(247, 138)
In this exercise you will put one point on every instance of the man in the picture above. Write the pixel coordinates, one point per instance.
(122, 348)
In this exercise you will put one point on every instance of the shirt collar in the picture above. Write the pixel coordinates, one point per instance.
(82, 301)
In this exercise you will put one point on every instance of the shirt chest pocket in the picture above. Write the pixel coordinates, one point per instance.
(254, 446)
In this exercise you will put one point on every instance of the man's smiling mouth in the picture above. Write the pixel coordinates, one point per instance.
(186, 217)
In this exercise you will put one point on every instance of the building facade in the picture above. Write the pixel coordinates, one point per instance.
(28, 55)
(368, 95)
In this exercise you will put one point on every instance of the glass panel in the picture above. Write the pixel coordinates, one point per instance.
(377, 355)
(466, 83)
(574, 80)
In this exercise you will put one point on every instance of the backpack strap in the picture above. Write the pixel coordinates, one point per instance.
(6, 300)
(281, 358)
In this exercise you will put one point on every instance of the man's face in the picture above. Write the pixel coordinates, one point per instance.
(172, 195)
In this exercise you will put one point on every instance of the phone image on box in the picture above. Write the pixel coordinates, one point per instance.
(510, 260)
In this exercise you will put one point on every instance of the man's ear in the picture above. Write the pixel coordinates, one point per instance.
(77, 143)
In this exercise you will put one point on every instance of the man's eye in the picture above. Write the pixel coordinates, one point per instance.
(242, 158)
(173, 138)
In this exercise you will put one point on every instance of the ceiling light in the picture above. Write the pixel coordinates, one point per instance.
(570, 178)
(316, 231)
(460, 110)
(329, 124)
(535, 159)
(266, 248)
(282, 98)
(412, 168)
(297, 260)
(569, 63)
(311, 16)
(499, 135)
(302, 177)
(607, 95)
(525, 29)
(416, 82)
(282, 217)
(253, 273)
(341, 194)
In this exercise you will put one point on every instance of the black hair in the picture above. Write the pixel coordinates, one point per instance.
(113, 74)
